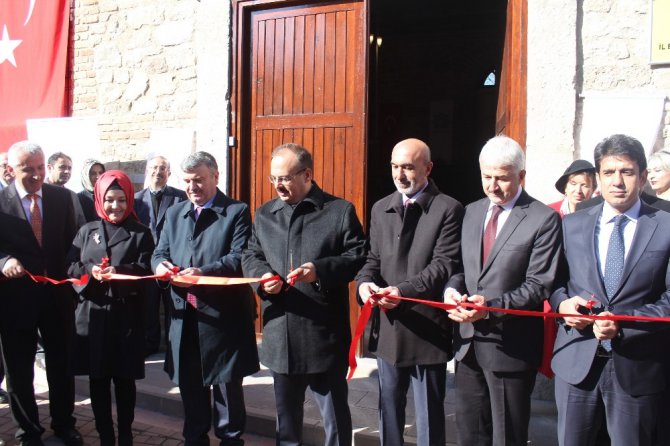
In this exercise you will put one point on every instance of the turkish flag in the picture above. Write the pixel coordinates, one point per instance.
(33, 63)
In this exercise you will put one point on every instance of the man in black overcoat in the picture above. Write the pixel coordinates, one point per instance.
(315, 243)
(38, 226)
(414, 250)
(212, 343)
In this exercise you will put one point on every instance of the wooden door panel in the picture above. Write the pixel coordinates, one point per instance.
(307, 74)
(511, 111)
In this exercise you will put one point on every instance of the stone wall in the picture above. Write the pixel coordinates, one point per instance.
(139, 66)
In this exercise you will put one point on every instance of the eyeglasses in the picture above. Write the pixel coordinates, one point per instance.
(285, 179)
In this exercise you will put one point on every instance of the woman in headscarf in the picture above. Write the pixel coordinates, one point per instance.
(89, 175)
(109, 319)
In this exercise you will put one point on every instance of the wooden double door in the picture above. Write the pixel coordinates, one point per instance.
(300, 74)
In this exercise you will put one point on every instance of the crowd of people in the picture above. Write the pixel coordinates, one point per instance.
(603, 250)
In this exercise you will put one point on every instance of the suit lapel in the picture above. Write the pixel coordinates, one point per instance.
(166, 201)
(516, 216)
(14, 203)
(477, 230)
(150, 207)
(589, 242)
(121, 235)
(646, 226)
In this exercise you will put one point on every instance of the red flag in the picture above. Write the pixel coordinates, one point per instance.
(33, 63)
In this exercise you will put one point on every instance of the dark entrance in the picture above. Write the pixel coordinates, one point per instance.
(434, 74)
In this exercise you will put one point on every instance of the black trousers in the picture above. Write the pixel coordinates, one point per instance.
(492, 408)
(101, 402)
(155, 295)
(227, 413)
(19, 345)
(429, 387)
(330, 392)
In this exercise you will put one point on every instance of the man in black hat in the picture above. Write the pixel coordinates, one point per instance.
(577, 183)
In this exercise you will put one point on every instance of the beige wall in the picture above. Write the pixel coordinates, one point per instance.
(577, 51)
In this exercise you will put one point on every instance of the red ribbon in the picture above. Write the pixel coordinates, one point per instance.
(366, 311)
(83, 280)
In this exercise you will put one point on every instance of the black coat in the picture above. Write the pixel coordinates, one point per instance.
(109, 319)
(412, 333)
(225, 313)
(306, 327)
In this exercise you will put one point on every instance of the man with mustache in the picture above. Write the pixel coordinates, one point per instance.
(151, 205)
(511, 244)
(315, 242)
(414, 250)
(42, 222)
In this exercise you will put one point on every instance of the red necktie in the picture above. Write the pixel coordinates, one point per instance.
(190, 297)
(35, 218)
(490, 233)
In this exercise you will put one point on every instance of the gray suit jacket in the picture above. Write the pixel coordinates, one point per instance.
(640, 349)
(519, 274)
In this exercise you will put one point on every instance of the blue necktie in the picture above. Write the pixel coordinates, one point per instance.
(614, 264)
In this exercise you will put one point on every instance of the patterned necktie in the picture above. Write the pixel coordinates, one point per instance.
(35, 218)
(190, 297)
(614, 264)
(615, 257)
(490, 233)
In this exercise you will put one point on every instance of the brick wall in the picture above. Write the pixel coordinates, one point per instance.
(134, 68)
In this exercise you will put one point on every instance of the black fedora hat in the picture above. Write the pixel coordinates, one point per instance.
(577, 166)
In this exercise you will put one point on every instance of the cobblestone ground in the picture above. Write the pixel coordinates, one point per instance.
(149, 428)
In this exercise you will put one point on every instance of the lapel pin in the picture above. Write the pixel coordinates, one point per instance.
(96, 237)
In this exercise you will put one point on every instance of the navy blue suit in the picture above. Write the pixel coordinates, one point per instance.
(637, 369)
(215, 344)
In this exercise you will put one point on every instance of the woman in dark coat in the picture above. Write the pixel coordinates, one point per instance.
(109, 332)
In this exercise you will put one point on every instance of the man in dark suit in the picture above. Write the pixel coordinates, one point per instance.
(6, 175)
(511, 244)
(59, 171)
(414, 250)
(616, 253)
(151, 205)
(212, 344)
(42, 225)
(315, 241)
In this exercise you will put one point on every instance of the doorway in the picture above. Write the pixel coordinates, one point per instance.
(434, 74)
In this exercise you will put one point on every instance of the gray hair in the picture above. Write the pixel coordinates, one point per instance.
(194, 160)
(662, 158)
(502, 151)
(161, 157)
(20, 147)
(304, 157)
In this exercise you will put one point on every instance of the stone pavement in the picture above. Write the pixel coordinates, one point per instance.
(159, 414)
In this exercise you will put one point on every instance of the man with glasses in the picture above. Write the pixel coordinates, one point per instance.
(151, 204)
(314, 242)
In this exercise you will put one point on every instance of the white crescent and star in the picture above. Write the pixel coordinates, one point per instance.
(7, 45)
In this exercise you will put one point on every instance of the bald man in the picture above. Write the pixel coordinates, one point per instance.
(414, 250)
